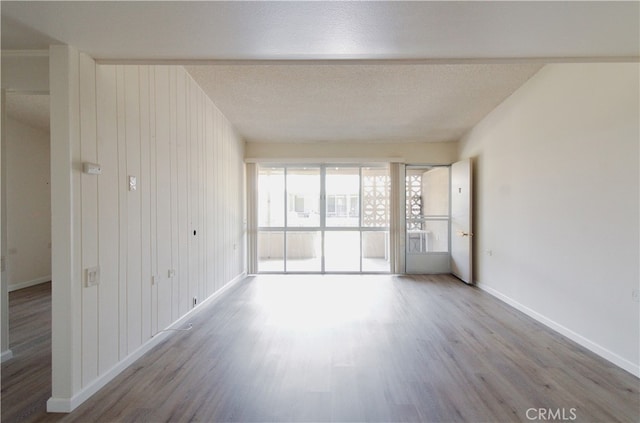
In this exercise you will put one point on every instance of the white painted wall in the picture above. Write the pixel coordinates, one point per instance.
(353, 152)
(154, 123)
(25, 71)
(28, 205)
(557, 204)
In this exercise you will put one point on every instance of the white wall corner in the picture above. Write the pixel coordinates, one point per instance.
(66, 311)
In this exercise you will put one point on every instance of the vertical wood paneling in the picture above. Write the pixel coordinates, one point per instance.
(173, 175)
(194, 274)
(208, 167)
(89, 218)
(219, 222)
(155, 123)
(134, 235)
(145, 205)
(163, 195)
(122, 212)
(154, 204)
(182, 191)
(108, 229)
(225, 194)
(201, 196)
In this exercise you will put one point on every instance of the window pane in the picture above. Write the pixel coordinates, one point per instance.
(375, 251)
(435, 192)
(432, 238)
(303, 252)
(342, 251)
(376, 187)
(427, 193)
(270, 251)
(270, 197)
(303, 197)
(414, 198)
(342, 187)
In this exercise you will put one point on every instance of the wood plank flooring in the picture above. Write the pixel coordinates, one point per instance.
(361, 348)
(26, 378)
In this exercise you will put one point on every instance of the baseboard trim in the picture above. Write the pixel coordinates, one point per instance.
(610, 356)
(27, 284)
(6, 355)
(67, 405)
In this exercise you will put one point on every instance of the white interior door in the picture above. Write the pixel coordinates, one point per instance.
(461, 228)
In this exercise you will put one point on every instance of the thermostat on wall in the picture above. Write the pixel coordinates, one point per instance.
(91, 168)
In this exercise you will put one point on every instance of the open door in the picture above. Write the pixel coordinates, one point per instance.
(461, 228)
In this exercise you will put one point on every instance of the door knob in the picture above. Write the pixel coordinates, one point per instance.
(462, 233)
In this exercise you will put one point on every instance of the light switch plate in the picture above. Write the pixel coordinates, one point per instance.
(91, 276)
(133, 183)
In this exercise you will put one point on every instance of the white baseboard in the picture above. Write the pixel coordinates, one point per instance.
(6, 355)
(67, 405)
(27, 284)
(614, 358)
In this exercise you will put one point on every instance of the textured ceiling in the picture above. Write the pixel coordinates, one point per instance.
(31, 109)
(303, 103)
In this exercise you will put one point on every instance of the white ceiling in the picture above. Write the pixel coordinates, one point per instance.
(332, 71)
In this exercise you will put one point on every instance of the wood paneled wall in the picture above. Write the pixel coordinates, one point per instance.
(180, 235)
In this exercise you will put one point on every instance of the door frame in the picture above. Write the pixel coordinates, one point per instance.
(420, 263)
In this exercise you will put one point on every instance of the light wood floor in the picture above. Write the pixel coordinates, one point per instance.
(360, 348)
(26, 378)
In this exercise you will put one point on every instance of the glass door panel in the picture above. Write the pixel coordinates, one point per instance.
(323, 218)
(342, 251)
(342, 193)
(304, 251)
(375, 251)
(376, 197)
(270, 251)
(271, 197)
(303, 197)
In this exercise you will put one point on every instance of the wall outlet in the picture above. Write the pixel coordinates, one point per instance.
(195, 301)
(91, 276)
(171, 273)
(635, 295)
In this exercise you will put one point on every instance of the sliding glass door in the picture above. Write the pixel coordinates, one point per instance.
(317, 219)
